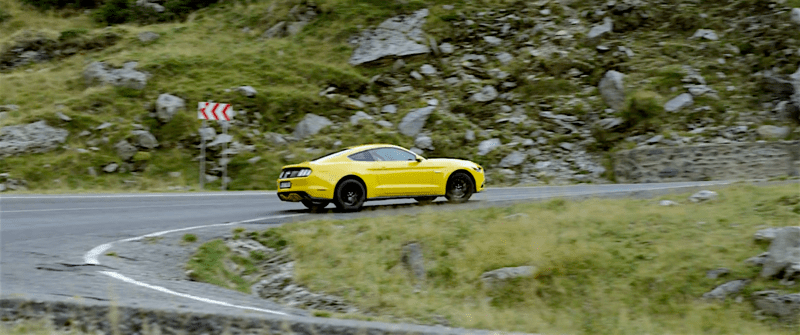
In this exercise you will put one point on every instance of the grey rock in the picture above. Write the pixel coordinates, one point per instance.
(148, 36)
(167, 105)
(220, 139)
(772, 132)
(35, 137)
(704, 195)
(705, 34)
(355, 118)
(2, 187)
(63, 117)
(354, 104)
(610, 123)
(487, 93)
(601, 29)
(680, 102)
(151, 5)
(424, 142)
(92, 172)
(654, 139)
(469, 135)
(254, 160)
(784, 306)
(296, 27)
(505, 57)
(767, 234)
(446, 48)
(369, 99)
(9, 108)
(716, 273)
(144, 139)
(496, 278)
(247, 91)
(389, 109)
(104, 125)
(759, 260)
(403, 89)
(85, 133)
(111, 168)
(243, 247)
(81, 151)
(175, 174)
(416, 75)
(310, 125)
(433, 102)
(210, 178)
(612, 89)
(667, 203)
(726, 290)
(412, 259)
(488, 145)
(399, 36)
(492, 40)
(567, 146)
(207, 133)
(414, 121)
(795, 16)
(125, 150)
(434, 47)
(513, 159)
(98, 73)
(427, 70)
(276, 31)
(784, 253)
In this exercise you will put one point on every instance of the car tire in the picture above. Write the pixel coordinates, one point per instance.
(459, 188)
(425, 200)
(315, 206)
(349, 195)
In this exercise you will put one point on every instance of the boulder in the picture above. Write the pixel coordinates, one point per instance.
(491, 40)
(704, 195)
(207, 133)
(424, 142)
(351, 103)
(243, 247)
(784, 254)
(680, 102)
(795, 16)
(385, 124)
(99, 73)
(667, 203)
(487, 93)
(414, 121)
(726, 290)
(310, 125)
(601, 29)
(488, 145)
(247, 91)
(144, 139)
(125, 150)
(412, 259)
(496, 278)
(358, 116)
(111, 168)
(707, 34)
(513, 159)
(446, 48)
(34, 137)
(220, 139)
(148, 36)
(63, 117)
(275, 138)
(427, 70)
(612, 89)
(276, 31)
(469, 135)
(167, 105)
(400, 36)
(767, 234)
(390, 109)
(784, 306)
(772, 132)
(505, 57)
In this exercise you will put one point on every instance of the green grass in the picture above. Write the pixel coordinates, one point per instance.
(604, 266)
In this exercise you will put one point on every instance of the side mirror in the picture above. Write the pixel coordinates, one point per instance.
(420, 159)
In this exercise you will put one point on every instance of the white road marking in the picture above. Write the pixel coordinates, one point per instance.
(183, 295)
(91, 258)
(145, 195)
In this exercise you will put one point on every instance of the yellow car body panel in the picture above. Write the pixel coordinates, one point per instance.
(381, 179)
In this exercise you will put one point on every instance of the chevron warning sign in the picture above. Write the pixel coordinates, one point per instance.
(214, 111)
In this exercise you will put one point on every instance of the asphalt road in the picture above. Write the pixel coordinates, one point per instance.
(54, 247)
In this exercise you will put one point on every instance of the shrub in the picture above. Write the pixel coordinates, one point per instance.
(4, 15)
(61, 4)
(643, 109)
(189, 238)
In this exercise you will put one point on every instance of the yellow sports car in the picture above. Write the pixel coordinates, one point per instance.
(377, 172)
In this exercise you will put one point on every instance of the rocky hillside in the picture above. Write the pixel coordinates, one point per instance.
(536, 91)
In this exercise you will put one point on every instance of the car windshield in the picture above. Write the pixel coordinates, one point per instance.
(331, 155)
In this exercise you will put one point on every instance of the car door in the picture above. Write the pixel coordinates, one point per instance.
(399, 173)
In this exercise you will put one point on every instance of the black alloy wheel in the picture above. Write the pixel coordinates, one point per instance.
(350, 195)
(459, 188)
(425, 200)
(315, 206)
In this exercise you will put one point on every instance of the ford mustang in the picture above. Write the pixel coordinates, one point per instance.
(354, 175)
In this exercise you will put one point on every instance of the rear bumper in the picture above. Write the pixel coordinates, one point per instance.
(297, 196)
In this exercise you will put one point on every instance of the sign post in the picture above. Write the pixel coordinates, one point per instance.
(222, 113)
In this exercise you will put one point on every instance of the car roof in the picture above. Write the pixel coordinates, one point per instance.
(372, 146)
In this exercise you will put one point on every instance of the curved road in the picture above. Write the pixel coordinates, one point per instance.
(54, 247)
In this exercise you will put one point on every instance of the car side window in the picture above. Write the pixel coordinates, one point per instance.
(392, 154)
(363, 156)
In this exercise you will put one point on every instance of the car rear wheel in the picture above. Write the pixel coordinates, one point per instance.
(315, 206)
(425, 200)
(459, 188)
(349, 195)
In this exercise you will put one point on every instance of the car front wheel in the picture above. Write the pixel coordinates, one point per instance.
(315, 206)
(349, 195)
(459, 188)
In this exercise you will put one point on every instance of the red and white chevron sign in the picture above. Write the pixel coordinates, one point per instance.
(213, 111)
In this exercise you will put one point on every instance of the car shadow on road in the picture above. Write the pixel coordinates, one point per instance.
(382, 209)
